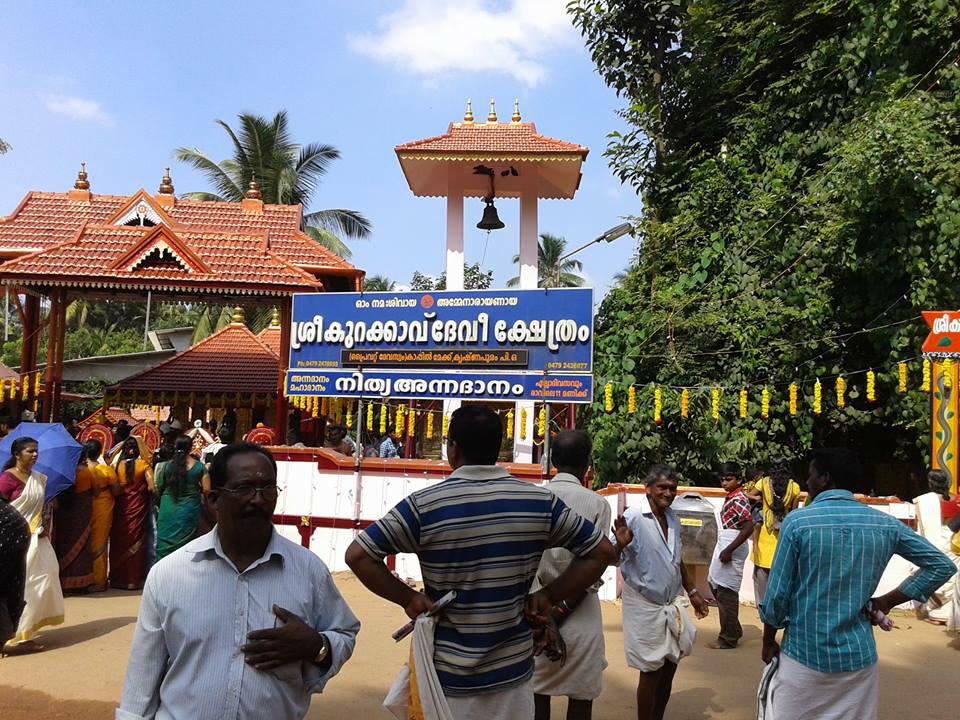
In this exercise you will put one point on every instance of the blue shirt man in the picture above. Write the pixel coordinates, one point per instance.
(388, 448)
(829, 560)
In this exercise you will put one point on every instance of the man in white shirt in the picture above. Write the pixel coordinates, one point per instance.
(239, 623)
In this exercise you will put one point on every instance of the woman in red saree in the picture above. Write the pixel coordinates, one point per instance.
(128, 550)
(71, 537)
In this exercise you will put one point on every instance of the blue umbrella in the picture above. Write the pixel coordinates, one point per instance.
(58, 455)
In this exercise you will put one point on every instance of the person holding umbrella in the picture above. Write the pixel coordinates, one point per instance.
(26, 489)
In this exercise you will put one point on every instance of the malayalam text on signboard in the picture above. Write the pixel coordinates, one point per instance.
(532, 330)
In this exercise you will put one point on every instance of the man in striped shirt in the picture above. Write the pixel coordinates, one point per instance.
(829, 560)
(482, 533)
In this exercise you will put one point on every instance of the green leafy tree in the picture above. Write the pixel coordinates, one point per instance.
(288, 173)
(378, 283)
(550, 249)
(474, 278)
(798, 170)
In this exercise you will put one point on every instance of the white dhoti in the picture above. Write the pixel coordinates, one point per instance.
(728, 575)
(581, 676)
(799, 693)
(654, 633)
(516, 703)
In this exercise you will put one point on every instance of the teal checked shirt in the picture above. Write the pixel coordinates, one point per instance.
(829, 560)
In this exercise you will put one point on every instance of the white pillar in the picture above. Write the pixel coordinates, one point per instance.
(454, 267)
(523, 448)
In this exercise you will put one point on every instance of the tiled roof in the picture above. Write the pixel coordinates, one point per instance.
(43, 219)
(270, 337)
(496, 138)
(8, 374)
(230, 361)
(91, 257)
(114, 415)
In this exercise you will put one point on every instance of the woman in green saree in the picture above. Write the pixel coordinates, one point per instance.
(178, 483)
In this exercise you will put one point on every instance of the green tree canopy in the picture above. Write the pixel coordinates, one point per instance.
(474, 278)
(798, 167)
(288, 173)
(4, 147)
(378, 283)
(550, 249)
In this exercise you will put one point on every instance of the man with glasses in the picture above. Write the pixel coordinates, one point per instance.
(241, 622)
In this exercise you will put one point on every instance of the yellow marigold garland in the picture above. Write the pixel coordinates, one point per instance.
(657, 405)
(926, 376)
(793, 398)
(429, 426)
(445, 426)
(631, 400)
(902, 374)
(412, 424)
(871, 386)
(715, 403)
(841, 387)
(370, 417)
(349, 416)
(743, 403)
(523, 423)
(542, 421)
(383, 419)
(947, 373)
(685, 403)
(398, 421)
(510, 423)
(608, 397)
(765, 403)
(817, 398)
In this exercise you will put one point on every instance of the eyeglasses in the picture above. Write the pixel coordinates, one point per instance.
(246, 493)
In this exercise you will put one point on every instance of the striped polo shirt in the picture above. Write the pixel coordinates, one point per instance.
(480, 532)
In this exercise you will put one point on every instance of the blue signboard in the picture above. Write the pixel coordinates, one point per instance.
(461, 385)
(510, 331)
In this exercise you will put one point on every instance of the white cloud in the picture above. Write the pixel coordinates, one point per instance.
(434, 37)
(78, 108)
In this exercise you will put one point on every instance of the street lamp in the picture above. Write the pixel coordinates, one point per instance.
(609, 236)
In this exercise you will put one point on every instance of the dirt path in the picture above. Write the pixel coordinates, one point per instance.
(80, 673)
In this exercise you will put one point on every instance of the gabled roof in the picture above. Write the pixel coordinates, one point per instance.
(8, 374)
(230, 361)
(493, 141)
(95, 257)
(270, 336)
(113, 414)
(44, 219)
(141, 196)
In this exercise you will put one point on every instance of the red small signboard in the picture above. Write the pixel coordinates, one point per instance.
(944, 337)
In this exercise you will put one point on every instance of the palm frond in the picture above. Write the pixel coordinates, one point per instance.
(204, 196)
(5, 147)
(261, 320)
(312, 165)
(227, 187)
(513, 282)
(327, 239)
(350, 223)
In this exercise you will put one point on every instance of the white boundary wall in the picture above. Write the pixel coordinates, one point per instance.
(327, 496)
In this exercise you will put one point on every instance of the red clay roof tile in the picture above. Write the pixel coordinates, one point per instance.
(508, 138)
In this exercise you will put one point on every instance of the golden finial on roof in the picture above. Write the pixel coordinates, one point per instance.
(253, 193)
(275, 319)
(515, 118)
(468, 113)
(492, 115)
(82, 183)
(166, 184)
(238, 316)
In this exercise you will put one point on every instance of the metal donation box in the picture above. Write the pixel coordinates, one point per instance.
(698, 528)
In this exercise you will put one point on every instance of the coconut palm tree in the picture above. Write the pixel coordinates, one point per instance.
(288, 173)
(549, 250)
(378, 283)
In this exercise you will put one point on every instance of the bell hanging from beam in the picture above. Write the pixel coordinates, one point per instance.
(490, 219)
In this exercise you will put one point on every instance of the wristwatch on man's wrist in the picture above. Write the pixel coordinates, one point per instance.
(323, 653)
(692, 591)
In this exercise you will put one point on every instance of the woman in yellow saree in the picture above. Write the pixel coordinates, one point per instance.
(25, 490)
(105, 488)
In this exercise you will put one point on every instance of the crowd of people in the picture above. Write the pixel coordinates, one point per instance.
(235, 618)
(127, 509)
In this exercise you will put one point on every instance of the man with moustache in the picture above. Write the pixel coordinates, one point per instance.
(241, 622)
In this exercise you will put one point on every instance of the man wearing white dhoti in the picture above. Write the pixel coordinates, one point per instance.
(657, 629)
(580, 678)
(828, 563)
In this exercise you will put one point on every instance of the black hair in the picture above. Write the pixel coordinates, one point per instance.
(17, 447)
(659, 471)
(939, 483)
(780, 477)
(571, 449)
(130, 463)
(842, 465)
(730, 468)
(218, 468)
(227, 434)
(177, 465)
(92, 450)
(122, 430)
(478, 433)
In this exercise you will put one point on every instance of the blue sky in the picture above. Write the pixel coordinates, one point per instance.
(120, 85)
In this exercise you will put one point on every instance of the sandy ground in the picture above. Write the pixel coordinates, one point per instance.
(79, 674)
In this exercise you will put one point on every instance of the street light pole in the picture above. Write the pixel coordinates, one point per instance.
(609, 236)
